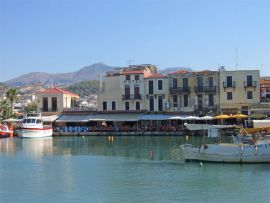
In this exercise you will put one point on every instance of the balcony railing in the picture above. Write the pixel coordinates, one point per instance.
(178, 90)
(205, 108)
(250, 83)
(48, 110)
(131, 96)
(205, 89)
(229, 84)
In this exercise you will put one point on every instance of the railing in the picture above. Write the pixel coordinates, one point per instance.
(131, 96)
(250, 83)
(205, 89)
(80, 108)
(48, 109)
(177, 90)
(228, 84)
(205, 108)
(265, 99)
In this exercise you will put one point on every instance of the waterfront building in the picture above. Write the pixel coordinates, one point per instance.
(239, 90)
(133, 89)
(55, 100)
(194, 92)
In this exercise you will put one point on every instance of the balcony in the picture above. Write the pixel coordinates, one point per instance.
(205, 89)
(250, 84)
(131, 97)
(178, 90)
(229, 84)
(205, 108)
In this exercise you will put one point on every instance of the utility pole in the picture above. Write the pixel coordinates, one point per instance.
(236, 63)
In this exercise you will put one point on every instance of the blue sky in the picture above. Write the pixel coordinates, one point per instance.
(64, 35)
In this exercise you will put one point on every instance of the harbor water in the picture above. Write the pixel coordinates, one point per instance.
(122, 169)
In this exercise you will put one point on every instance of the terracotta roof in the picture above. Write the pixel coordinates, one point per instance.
(156, 75)
(57, 90)
(265, 82)
(180, 72)
(132, 72)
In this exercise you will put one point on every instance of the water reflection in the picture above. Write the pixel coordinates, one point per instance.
(148, 147)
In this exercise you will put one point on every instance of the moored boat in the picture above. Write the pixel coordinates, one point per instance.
(5, 131)
(32, 127)
(228, 152)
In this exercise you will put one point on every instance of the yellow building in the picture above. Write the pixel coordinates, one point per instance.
(194, 92)
(55, 100)
(127, 89)
(239, 90)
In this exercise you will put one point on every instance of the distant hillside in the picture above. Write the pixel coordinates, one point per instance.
(61, 79)
(84, 88)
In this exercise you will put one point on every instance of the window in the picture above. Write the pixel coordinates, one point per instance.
(211, 100)
(127, 91)
(185, 84)
(160, 103)
(138, 105)
(174, 83)
(185, 100)
(113, 105)
(54, 104)
(249, 95)
(104, 106)
(151, 87)
(160, 84)
(137, 91)
(127, 106)
(175, 101)
(151, 103)
(45, 104)
(137, 77)
(229, 96)
(211, 81)
(127, 77)
(229, 81)
(249, 80)
(200, 100)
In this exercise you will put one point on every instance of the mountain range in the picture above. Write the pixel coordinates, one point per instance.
(91, 72)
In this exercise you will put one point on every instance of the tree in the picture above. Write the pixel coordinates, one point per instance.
(31, 107)
(12, 96)
(5, 109)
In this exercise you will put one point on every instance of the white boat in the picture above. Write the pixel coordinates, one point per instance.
(229, 153)
(32, 127)
(206, 126)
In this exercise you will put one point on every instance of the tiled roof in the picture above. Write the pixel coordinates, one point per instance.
(156, 75)
(265, 81)
(132, 72)
(56, 90)
(180, 72)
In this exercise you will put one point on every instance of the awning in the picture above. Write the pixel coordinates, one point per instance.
(155, 117)
(49, 118)
(205, 118)
(74, 118)
(116, 117)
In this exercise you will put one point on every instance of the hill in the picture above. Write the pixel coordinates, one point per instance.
(84, 88)
(61, 79)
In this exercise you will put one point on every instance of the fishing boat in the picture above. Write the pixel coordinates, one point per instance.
(5, 131)
(32, 127)
(254, 152)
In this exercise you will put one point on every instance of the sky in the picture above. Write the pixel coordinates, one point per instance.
(58, 36)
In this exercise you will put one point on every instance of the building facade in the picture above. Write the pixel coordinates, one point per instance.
(194, 92)
(134, 88)
(239, 90)
(55, 100)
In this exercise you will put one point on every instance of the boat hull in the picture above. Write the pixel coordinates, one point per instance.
(228, 153)
(35, 132)
(4, 134)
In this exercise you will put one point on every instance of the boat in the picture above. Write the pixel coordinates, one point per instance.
(5, 131)
(32, 127)
(242, 152)
(206, 126)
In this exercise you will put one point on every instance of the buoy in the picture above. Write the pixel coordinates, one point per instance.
(151, 154)
(186, 137)
(82, 136)
(201, 164)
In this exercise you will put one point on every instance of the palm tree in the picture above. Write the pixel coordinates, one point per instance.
(5, 109)
(12, 96)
